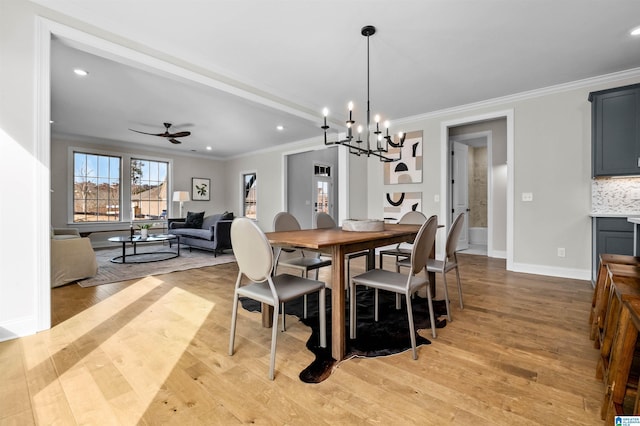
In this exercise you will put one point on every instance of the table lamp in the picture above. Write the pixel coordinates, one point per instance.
(181, 196)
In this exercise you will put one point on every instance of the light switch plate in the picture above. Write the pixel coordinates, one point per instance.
(527, 196)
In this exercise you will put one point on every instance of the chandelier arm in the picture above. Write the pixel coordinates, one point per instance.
(358, 150)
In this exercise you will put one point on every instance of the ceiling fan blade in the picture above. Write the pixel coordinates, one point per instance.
(145, 133)
(174, 141)
(178, 135)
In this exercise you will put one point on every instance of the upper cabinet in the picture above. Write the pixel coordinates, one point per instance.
(615, 131)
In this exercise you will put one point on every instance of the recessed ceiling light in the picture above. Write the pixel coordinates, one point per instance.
(209, 148)
(280, 127)
(80, 72)
(635, 31)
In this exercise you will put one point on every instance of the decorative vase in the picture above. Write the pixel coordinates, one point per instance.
(144, 232)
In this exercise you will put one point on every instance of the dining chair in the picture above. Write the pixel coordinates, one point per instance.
(410, 218)
(325, 221)
(303, 261)
(255, 259)
(449, 262)
(381, 279)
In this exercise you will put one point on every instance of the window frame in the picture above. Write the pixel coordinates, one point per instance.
(125, 186)
(72, 186)
(243, 197)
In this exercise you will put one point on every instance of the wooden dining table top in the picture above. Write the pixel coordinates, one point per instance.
(319, 239)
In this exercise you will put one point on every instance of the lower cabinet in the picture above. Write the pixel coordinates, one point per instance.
(612, 235)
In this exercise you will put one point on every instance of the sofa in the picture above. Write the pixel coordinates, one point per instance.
(208, 233)
(72, 257)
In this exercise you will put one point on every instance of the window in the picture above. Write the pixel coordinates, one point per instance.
(96, 188)
(249, 195)
(148, 189)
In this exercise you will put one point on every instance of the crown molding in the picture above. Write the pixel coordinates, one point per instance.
(559, 88)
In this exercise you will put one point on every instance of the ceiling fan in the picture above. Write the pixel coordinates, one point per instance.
(171, 136)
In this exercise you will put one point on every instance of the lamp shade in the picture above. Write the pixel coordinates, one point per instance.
(181, 196)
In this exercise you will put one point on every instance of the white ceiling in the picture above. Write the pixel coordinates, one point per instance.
(290, 58)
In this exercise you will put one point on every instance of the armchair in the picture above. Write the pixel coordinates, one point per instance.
(72, 257)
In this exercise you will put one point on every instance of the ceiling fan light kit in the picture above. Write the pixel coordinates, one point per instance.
(382, 142)
(171, 136)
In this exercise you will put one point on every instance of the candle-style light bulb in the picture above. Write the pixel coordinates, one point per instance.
(377, 120)
(386, 125)
(350, 110)
(325, 112)
(360, 133)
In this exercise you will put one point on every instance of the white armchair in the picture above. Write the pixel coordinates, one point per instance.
(72, 257)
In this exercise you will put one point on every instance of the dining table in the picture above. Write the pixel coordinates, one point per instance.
(338, 242)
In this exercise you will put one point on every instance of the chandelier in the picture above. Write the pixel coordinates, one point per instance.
(360, 146)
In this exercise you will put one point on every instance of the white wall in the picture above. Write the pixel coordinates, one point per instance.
(20, 210)
(552, 160)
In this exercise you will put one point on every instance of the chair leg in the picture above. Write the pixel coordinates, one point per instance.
(352, 311)
(323, 318)
(375, 305)
(446, 294)
(234, 316)
(412, 332)
(432, 317)
(459, 287)
(274, 336)
(304, 306)
(284, 326)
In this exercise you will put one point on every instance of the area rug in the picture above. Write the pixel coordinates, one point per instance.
(390, 335)
(109, 272)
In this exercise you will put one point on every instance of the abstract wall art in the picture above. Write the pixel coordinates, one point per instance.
(396, 204)
(409, 168)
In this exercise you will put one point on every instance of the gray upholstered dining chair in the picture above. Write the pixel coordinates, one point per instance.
(449, 262)
(399, 252)
(303, 261)
(256, 261)
(325, 221)
(409, 218)
(381, 279)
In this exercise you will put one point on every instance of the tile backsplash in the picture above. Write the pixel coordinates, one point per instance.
(615, 195)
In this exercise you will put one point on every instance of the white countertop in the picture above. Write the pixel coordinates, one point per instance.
(627, 214)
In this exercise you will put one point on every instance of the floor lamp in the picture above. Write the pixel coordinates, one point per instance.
(181, 196)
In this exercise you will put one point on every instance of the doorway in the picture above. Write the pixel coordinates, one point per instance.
(470, 188)
(496, 130)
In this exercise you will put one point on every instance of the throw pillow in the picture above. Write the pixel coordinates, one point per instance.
(227, 216)
(194, 220)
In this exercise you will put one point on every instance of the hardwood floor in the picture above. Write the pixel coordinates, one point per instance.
(154, 351)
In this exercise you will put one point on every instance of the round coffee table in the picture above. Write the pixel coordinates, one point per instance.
(146, 257)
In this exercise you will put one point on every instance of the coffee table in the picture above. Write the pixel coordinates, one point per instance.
(146, 257)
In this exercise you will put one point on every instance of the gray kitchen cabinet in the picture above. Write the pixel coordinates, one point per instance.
(613, 235)
(615, 131)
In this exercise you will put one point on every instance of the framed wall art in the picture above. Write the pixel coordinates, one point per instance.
(396, 204)
(409, 168)
(200, 189)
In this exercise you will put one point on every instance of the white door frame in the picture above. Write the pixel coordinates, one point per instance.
(445, 171)
(488, 136)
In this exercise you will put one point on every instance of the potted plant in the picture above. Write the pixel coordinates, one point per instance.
(144, 229)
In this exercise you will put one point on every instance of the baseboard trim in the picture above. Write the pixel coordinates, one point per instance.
(20, 327)
(552, 271)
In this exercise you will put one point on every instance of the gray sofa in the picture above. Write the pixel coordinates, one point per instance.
(214, 235)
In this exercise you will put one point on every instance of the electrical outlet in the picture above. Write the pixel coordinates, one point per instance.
(436, 198)
(561, 252)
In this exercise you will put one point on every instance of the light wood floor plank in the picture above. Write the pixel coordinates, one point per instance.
(155, 351)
